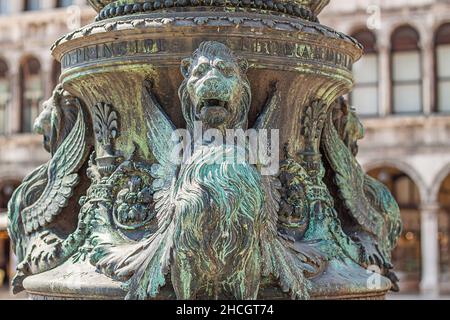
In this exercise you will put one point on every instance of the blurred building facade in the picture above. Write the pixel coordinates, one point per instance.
(402, 94)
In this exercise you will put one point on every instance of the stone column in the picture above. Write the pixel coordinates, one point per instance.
(16, 6)
(47, 75)
(81, 3)
(14, 105)
(430, 250)
(384, 65)
(428, 76)
(48, 4)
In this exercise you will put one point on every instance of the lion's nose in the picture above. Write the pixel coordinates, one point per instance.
(213, 82)
(212, 87)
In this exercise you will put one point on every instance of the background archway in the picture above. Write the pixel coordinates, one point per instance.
(407, 257)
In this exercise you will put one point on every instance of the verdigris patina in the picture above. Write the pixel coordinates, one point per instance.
(244, 186)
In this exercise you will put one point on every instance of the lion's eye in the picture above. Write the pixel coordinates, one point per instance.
(228, 71)
(224, 68)
(200, 70)
(221, 65)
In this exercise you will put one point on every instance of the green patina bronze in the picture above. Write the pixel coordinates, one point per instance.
(116, 214)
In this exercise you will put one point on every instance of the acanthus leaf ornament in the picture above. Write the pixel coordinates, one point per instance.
(106, 130)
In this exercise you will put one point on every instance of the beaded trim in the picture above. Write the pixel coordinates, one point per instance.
(283, 7)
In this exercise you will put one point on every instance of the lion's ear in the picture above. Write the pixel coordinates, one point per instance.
(243, 64)
(185, 66)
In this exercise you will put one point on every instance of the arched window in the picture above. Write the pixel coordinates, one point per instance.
(64, 3)
(443, 68)
(406, 71)
(407, 256)
(32, 92)
(365, 93)
(4, 96)
(32, 5)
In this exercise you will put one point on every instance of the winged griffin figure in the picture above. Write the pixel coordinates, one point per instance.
(43, 210)
(369, 212)
(217, 219)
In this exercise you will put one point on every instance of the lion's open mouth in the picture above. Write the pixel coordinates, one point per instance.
(213, 103)
(213, 111)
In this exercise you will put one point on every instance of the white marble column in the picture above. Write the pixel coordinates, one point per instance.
(47, 75)
(430, 250)
(15, 6)
(15, 102)
(48, 4)
(81, 3)
(428, 75)
(384, 65)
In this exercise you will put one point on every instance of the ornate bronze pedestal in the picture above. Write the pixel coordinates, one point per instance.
(117, 213)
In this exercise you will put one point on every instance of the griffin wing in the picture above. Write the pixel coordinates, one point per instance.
(144, 265)
(62, 179)
(160, 131)
(34, 183)
(383, 201)
(269, 115)
(350, 180)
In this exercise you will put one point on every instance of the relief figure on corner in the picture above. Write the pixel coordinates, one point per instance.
(43, 211)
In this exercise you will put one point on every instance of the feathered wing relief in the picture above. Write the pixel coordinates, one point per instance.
(62, 174)
(350, 178)
(26, 193)
(38, 203)
(383, 201)
(375, 213)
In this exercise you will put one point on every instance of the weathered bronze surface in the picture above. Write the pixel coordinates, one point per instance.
(116, 214)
